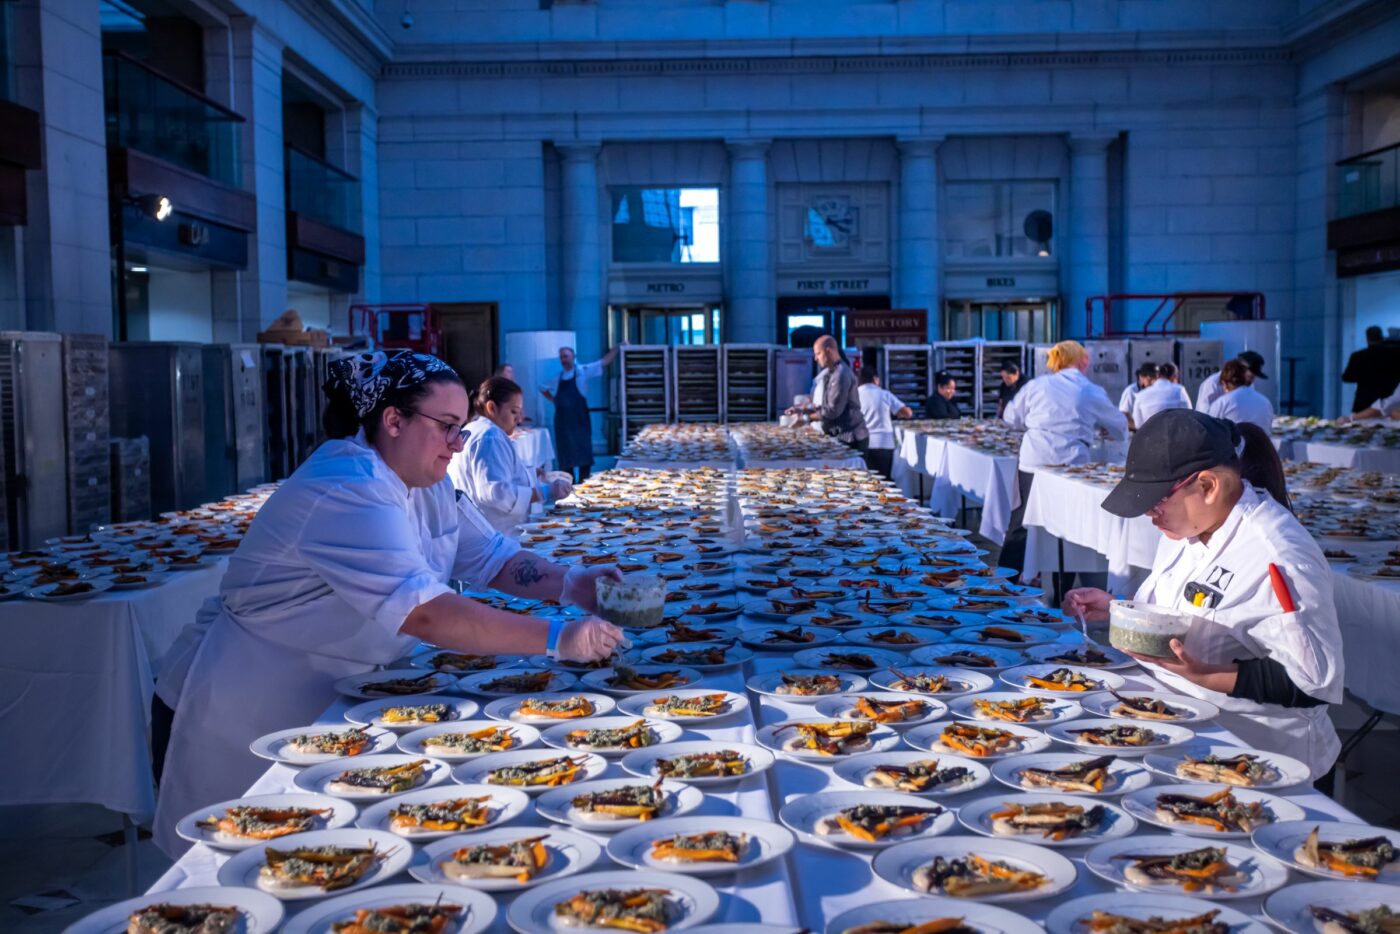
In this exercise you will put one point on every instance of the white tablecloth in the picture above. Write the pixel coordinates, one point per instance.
(535, 447)
(1385, 460)
(957, 472)
(76, 682)
(854, 462)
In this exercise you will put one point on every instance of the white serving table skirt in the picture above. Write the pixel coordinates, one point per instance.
(76, 681)
(1384, 460)
(958, 471)
(535, 447)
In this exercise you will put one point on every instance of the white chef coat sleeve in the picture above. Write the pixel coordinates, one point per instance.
(1126, 399)
(895, 403)
(1015, 414)
(481, 550)
(493, 475)
(1308, 641)
(1216, 406)
(1104, 414)
(361, 541)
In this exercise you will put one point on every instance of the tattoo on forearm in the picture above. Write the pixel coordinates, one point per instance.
(527, 572)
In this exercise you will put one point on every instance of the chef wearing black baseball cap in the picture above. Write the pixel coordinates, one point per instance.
(1211, 389)
(1265, 645)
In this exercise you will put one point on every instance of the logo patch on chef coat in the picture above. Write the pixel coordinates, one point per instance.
(1220, 578)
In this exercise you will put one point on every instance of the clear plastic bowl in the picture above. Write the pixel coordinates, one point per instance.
(638, 601)
(1144, 628)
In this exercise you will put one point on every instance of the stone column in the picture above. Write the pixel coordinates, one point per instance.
(920, 257)
(581, 256)
(750, 313)
(362, 161)
(1083, 237)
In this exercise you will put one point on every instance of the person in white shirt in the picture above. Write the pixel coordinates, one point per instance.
(1389, 407)
(1210, 388)
(1159, 396)
(1062, 414)
(1241, 401)
(346, 568)
(1264, 644)
(573, 424)
(488, 470)
(1145, 375)
(879, 406)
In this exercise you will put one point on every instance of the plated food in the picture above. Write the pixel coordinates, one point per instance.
(805, 684)
(1047, 819)
(1150, 705)
(978, 740)
(686, 706)
(394, 683)
(205, 909)
(1098, 775)
(310, 745)
(405, 908)
(891, 709)
(701, 845)
(698, 655)
(244, 822)
(318, 864)
(913, 772)
(699, 761)
(1148, 913)
(612, 735)
(405, 714)
(372, 777)
(976, 868)
(864, 819)
(1060, 679)
(506, 859)
(1333, 849)
(943, 682)
(456, 742)
(1120, 736)
(627, 679)
(1334, 907)
(1229, 765)
(1209, 810)
(1215, 870)
(931, 915)
(643, 901)
(1008, 707)
(517, 681)
(615, 803)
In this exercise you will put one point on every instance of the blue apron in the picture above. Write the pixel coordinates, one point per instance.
(573, 426)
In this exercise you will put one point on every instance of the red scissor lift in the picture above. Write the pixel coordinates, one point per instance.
(415, 326)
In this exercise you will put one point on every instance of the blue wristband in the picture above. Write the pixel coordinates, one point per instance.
(551, 645)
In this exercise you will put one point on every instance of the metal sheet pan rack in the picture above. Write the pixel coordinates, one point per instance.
(907, 371)
(87, 422)
(994, 354)
(963, 361)
(645, 388)
(695, 383)
(748, 382)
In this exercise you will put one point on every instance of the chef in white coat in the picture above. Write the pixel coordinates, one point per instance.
(1158, 396)
(489, 471)
(1241, 402)
(1226, 521)
(345, 568)
(1062, 414)
(1389, 407)
(1210, 388)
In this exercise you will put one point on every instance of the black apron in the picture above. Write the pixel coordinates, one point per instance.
(573, 426)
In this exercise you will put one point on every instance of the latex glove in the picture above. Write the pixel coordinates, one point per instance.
(580, 588)
(588, 640)
(560, 488)
(1090, 601)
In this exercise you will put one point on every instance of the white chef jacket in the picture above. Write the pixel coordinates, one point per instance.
(878, 406)
(1391, 401)
(332, 565)
(582, 373)
(818, 391)
(1159, 397)
(1209, 391)
(490, 474)
(1060, 414)
(1250, 623)
(1129, 396)
(1244, 404)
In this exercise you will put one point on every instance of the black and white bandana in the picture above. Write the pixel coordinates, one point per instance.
(365, 377)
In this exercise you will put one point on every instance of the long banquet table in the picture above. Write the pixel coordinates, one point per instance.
(957, 471)
(814, 882)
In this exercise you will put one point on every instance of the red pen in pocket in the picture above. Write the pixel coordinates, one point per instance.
(1285, 599)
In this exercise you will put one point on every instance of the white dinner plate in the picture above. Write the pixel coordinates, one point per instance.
(911, 912)
(1055, 709)
(1027, 635)
(1065, 653)
(927, 737)
(691, 901)
(638, 705)
(812, 816)
(723, 632)
(1282, 839)
(1020, 593)
(599, 680)
(1068, 918)
(764, 841)
(147, 579)
(423, 658)
(478, 909)
(949, 622)
(260, 913)
(943, 654)
(242, 868)
(1193, 710)
(848, 658)
(855, 770)
(45, 592)
(733, 655)
(661, 731)
(362, 686)
(960, 680)
(506, 805)
(757, 637)
(1124, 775)
(341, 814)
(1291, 907)
(775, 736)
(557, 803)
(475, 771)
(277, 746)
(481, 683)
(566, 854)
(900, 865)
(1143, 805)
(413, 743)
(1029, 615)
(769, 682)
(317, 778)
(1169, 734)
(843, 707)
(642, 762)
(820, 591)
(1017, 678)
(921, 636)
(1287, 770)
(883, 609)
(508, 708)
(1257, 875)
(370, 713)
(1115, 823)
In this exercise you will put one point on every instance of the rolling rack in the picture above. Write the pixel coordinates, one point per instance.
(695, 382)
(906, 370)
(645, 388)
(748, 382)
(962, 360)
(994, 354)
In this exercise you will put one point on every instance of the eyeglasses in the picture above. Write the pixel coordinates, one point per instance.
(1178, 487)
(452, 433)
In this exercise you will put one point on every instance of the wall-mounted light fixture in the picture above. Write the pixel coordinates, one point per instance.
(158, 207)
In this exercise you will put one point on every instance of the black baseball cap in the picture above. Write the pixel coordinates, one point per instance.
(1255, 363)
(1168, 448)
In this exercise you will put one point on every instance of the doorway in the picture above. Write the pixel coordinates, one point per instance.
(649, 324)
(469, 337)
(802, 319)
(1035, 321)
